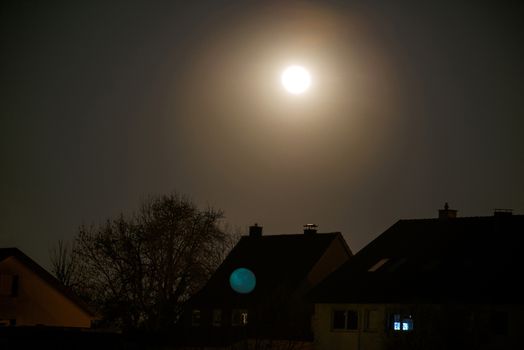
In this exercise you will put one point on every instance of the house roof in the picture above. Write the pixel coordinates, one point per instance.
(46, 276)
(278, 261)
(470, 259)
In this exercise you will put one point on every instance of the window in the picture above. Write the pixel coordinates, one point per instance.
(195, 318)
(395, 265)
(378, 265)
(344, 320)
(339, 319)
(372, 320)
(499, 322)
(217, 317)
(239, 317)
(8, 285)
(401, 322)
(5, 322)
(14, 286)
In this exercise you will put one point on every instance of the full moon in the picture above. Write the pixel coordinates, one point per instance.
(296, 79)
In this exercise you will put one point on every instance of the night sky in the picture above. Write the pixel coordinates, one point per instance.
(412, 105)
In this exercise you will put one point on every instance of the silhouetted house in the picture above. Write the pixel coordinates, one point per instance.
(285, 268)
(30, 296)
(428, 284)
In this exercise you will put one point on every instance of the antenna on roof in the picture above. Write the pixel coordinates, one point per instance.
(447, 213)
(255, 230)
(310, 229)
(503, 212)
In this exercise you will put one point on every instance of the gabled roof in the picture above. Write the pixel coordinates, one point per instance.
(278, 261)
(471, 259)
(46, 276)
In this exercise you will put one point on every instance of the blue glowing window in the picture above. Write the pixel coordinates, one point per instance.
(402, 322)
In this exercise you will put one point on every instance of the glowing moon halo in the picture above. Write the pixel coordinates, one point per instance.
(296, 79)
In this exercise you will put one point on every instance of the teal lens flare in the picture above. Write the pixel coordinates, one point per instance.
(242, 280)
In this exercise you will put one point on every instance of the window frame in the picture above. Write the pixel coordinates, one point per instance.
(378, 265)
(216, 321)
(346, 323)
(499, 323)
(243, 317)
(367, 323)
(402, 316)
(9, 285)
(196, 321)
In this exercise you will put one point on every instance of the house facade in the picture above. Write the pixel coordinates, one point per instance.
(380, 326)
(257, 297)
(445, 283)
(31, 296)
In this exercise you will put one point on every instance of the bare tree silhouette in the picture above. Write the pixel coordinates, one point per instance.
(63, 263)
(138, 271)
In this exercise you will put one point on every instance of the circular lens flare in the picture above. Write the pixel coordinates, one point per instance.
(242, 280)
(296, 79)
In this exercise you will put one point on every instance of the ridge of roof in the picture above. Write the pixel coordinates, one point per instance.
(296, 235)
(436, 246)
(275, 259)
(462, 218)
(46, 276)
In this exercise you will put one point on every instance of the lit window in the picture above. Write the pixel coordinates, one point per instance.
(401, 322)
(217, 317)
(239, 317)
(344, 320)
(378, 265)
(195, 318)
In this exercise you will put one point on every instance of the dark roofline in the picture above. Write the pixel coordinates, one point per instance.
(46, 276)
(326, 291)
(458, 218)
(344, 244)
(301, 234)
(438, 220)
(247, 242)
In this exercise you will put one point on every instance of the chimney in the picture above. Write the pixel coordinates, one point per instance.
(447, 213)
(310, 229)
(255, 230)
(503, 212)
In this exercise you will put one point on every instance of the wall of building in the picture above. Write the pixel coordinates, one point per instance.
(366, 336)
(38, 303)
(484, 326)
(334, 256)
